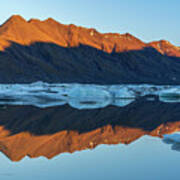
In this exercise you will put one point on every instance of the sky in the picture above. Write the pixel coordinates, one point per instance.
(147, 20)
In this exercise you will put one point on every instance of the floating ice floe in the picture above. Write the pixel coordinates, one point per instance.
(170, 95)
(89, 98)
(122, 102)
(174, 140)
(82, 96)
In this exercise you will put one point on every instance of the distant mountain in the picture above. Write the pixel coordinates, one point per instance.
(48, 51)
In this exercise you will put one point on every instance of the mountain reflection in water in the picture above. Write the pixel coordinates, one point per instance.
(32, 131)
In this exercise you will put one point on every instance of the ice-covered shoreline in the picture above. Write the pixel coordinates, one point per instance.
(82, 96)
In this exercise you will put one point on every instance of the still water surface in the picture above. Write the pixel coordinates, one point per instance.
(147, 158)
(89, 132)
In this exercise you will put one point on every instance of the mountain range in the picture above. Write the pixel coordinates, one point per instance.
(52, 52)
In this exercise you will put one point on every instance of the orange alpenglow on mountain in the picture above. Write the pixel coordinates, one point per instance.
(52, 52)
(30, 131)
(17, 29)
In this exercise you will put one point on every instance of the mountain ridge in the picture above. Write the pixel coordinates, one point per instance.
(69, 36)
(52, 52)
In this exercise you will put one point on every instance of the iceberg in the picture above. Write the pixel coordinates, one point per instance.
(88, 92)
(121, 92)
(122, 102)
(171, 95)
(174, 140)
(82, 96)
(89, 97)
(89, 104)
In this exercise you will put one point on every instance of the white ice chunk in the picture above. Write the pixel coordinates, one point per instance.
(82, 96)
(171, 95)
(89, 104)
(172, 137)
(89, 93)
(121, 92)
(174, 140)
(89, 97)
(122, 102)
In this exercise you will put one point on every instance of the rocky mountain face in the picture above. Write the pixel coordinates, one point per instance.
(48, 51)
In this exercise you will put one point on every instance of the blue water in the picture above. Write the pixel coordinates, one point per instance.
(145, 159)
(45, 109)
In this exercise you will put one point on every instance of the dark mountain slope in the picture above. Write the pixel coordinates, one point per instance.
(84, 64)
(49, 51)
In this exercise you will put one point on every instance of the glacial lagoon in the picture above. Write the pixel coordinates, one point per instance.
(82, 96)
(75, 131)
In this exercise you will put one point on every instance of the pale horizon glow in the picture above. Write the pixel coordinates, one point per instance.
(147, 20)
